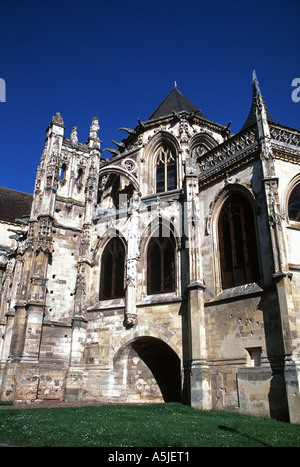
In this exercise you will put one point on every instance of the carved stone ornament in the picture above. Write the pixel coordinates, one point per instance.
(230, 148)
(285, 136)
(130, 319)
(74, 135)
(129, 164)
(57, 119)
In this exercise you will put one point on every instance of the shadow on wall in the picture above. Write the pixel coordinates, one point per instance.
(149, 371)
(278, 402)
(163, 363)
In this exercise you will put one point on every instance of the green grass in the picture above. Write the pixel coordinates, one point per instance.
(154, 425)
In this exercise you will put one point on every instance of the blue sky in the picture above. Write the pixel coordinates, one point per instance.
(119, 60)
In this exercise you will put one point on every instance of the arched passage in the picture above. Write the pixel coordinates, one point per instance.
(150, 371)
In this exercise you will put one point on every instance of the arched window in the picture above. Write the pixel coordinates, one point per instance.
(294, 204)
(161, 265)
(112, 270)
(237, 238)
(166, 172)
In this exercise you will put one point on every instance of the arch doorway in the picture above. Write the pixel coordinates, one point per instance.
(150, 371)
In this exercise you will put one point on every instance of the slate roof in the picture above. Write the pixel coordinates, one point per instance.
(14, 204)
(175, 102)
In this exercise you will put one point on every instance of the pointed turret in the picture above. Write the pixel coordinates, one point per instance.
(256, 97)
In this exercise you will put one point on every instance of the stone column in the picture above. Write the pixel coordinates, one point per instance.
(74, 383)
(196, 367)
(290, 322)
(131, 262)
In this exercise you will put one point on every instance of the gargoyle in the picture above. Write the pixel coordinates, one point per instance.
(113, 151)
(129, 130)
(120, 145)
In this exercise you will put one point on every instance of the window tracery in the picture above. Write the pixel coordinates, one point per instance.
(166, 171)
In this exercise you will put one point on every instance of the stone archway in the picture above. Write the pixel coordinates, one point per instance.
(149, 370)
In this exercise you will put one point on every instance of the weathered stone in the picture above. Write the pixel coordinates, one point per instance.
(126, 326)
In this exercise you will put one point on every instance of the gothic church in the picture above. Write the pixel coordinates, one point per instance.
(167, 272)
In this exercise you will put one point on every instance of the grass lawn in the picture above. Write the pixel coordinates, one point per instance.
(154, 425)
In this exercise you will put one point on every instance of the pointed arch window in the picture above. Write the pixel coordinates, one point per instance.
(112, 270)
(294, 204)
(166, 171)
(237, 238)
(161, 265)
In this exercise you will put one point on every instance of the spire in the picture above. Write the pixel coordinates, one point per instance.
(255, 85)
(256, 97)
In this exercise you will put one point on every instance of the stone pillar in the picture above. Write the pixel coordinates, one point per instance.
(199, 379)
(131, 262)
(196, 367)
(74, 383)
(290, 323)
(28, 371)
(10, 317)
(291, 340)
(17, 341)
(32, 338)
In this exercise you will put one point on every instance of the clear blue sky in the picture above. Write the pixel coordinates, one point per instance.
(119, 59)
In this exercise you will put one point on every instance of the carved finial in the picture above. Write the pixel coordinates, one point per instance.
(57, 119)
(94, 127)
(74, 135)
(94, 141)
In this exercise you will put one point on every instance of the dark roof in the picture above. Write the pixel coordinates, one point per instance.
(175, 102)
(14, 204)
(251, 119)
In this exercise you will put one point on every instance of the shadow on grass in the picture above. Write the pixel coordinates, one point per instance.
(233, 430)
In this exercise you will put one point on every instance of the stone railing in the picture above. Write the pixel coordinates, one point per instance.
(230, 149)
(285, 136)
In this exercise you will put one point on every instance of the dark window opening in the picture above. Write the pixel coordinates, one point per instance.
(238, 249)
(112, 270)
(63, 170)
(294, 204)
(79, 176)
(161, 265)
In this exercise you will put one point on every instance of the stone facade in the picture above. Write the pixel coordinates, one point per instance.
(168, 272)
